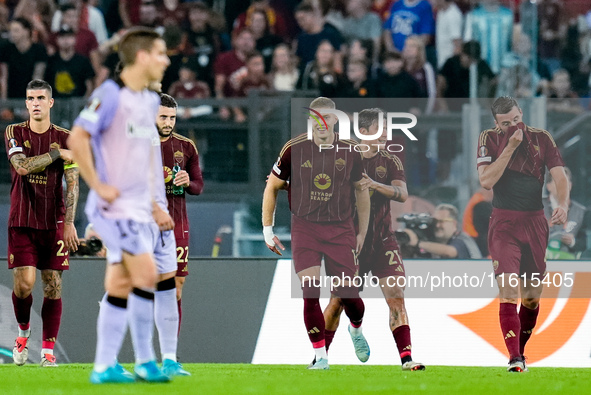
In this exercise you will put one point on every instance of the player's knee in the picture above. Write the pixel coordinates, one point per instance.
(395, 304)
(23, 289)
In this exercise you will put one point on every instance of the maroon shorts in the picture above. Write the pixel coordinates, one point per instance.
(383, 260)
(182, 257)
(335, 241)
(43, 249)
(517, 241)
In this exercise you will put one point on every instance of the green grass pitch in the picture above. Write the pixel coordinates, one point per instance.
(296, 379)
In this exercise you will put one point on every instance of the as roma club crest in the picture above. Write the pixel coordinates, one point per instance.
(178, 157)
(340, 164)
(381, 171)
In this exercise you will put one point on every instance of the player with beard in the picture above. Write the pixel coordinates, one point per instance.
(181, 151)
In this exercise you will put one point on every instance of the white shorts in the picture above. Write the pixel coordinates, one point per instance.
(164, 247)
(122, 235)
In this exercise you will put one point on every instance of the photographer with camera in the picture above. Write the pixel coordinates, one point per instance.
(449, 240)
(91, 245)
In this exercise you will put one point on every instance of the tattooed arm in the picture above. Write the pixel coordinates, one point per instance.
(71, 173)
(33, 164)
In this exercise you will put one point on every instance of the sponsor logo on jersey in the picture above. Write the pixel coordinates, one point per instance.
(167, 174)
(322, 181)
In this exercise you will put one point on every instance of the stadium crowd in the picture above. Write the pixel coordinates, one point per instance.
(342, 48)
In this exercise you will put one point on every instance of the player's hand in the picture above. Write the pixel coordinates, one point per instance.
(162, 218)
(568, 239)
(71, 237)
(182, 179)
(516, 139)
(272, 241)
(366, 182)
(559, 216)
(359, 243)
(66, 155)
(107, 192)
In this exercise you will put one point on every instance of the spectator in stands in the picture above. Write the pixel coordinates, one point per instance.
(362, 24)
(21, 60)
(129, 12)
(415, 60)
(450, 242)
(321, 74)
(278, 23)
(149, 17)
(358, 85)
(492, 26)
(202, 40)
(172, 13)
(230, 67)
(408, 18)
(516, 78)
(477, 216)
(255, 78)
(38, 13)
(173, 37)
(551, 33)
(561, 96)
(89, 18)
(453, 81)
(448, 31)
(284, 74)
(363, 50)
(265, 40)
(313, 33)
(68, 73)
(4, 25)
(570, 238)
(86, 43)
(394, 81)
(188, 86)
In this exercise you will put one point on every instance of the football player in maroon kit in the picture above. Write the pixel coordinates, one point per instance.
(41, 225)
(322, 184)
(178, 152)
(384, 177)
(512, 160)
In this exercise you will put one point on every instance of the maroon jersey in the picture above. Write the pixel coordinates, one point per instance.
(321, 181)
(182, 151)
(232, 67)
(37, 199)
(189, 90)
(383, 168)
(520, 186)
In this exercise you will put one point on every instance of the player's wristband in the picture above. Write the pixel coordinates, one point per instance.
(54, 154)
(269, 235)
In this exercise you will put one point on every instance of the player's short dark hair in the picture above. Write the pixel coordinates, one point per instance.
(38, 85)
(503, 105)
(471, 49)
(569, 175)
(368, 117)
(322, 102)
(134, 40)
(450, 208)
(24, 23)
(167, 101)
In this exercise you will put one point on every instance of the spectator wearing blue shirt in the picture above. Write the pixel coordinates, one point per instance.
(408, 18)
